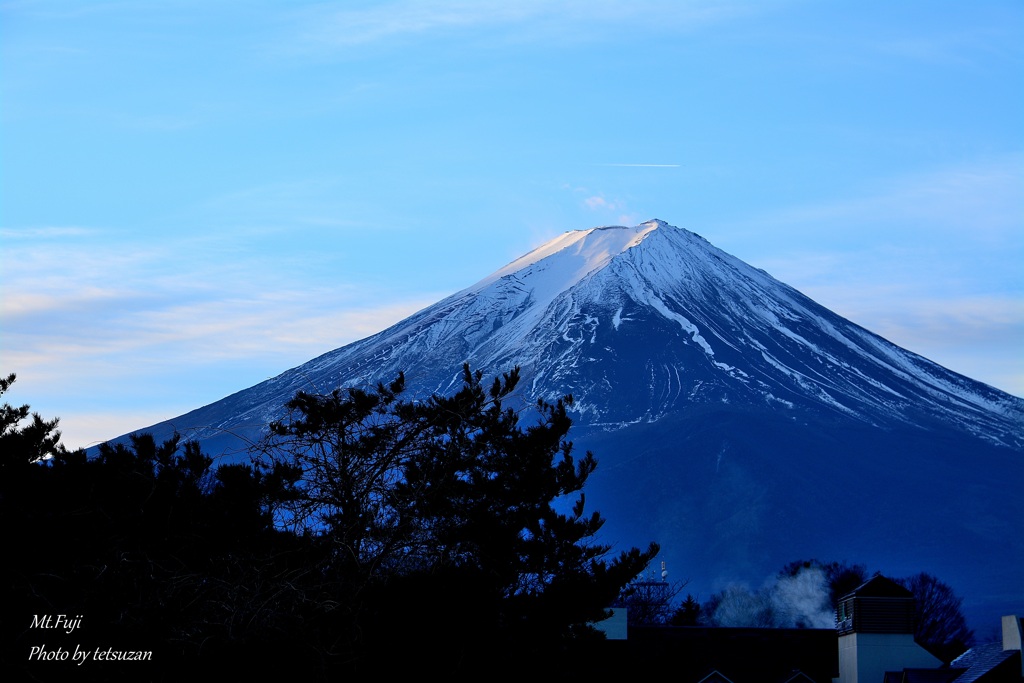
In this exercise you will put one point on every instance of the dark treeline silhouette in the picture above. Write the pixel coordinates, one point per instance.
(369, 534)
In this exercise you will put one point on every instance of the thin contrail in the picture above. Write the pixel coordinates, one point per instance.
(644, 165)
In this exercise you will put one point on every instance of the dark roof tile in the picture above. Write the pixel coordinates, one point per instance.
(981, 659)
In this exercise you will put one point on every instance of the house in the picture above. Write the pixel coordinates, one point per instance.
(875, 623)
(995, 662)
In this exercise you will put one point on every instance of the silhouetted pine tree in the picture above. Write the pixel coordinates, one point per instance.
(442, 518)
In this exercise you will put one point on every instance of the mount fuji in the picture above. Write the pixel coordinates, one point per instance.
(736, 421)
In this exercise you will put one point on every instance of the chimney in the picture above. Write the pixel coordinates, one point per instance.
(875, 623)
(1013, 626)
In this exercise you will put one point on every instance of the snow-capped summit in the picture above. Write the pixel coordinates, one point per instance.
(737, 422)
(577, 253)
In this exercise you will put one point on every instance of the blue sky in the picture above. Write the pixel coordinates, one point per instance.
(196, 195)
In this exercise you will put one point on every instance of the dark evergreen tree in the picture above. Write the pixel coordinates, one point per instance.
(688, 613)
(349, 449)
(155, 549)
(486, 491)
(21, 444)
(449, 512)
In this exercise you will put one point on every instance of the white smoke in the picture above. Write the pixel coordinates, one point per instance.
(737, 607)
(798, 601)
(802, 600)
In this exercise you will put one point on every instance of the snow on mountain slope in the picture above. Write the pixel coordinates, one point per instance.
(639, 322)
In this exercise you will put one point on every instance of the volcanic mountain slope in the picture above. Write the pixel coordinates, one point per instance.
(737, 422)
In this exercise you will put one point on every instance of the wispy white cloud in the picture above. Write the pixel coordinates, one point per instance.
(608, 207)
(965, 46)
(144, 327)
(77, 10)
(354, 27)
(46, 232)
(598, 202)
(979, 200)
(132, 362)
(200, 331)
(643, 165)
(85, 305)
(547, 19)
(928, 226)
(221, 319)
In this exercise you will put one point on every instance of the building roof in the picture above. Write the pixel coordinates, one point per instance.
(879, 586)
(983, 659)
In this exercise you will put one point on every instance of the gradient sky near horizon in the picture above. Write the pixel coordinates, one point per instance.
(196, 196)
